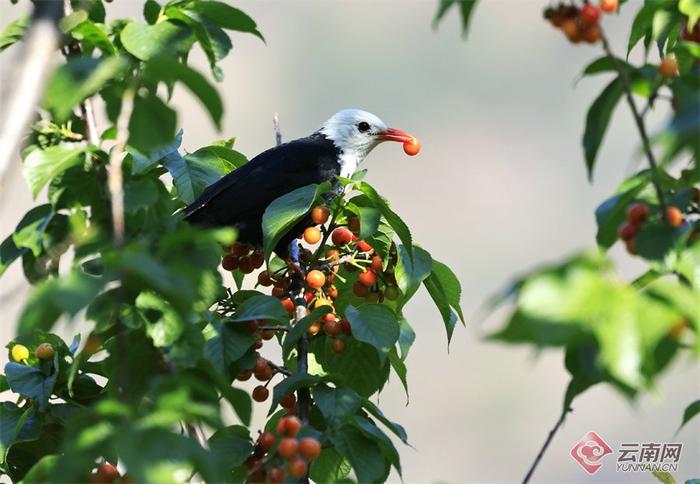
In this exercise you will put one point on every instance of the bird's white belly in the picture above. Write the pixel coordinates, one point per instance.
(348, 165)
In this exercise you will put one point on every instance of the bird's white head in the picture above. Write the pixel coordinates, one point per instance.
(355, 133)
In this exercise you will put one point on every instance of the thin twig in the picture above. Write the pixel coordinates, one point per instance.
(550, 437)
(273, 328)
(656, 180)
(276, 125)
(277, 368)
(116, 158)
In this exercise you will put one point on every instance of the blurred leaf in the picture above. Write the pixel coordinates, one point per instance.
(229, 343)
(262, 308)
(13, 32)
(94, 35)
(152, 125)
(612, 213)
(336, 404)
(330, 467)
(164, 38)
(231, 445)
(72, 20)
(642, 24)
(465, 7)
(691, 411)
(18, 424)
(151, 11)
(282, 214)
(78, 79)
(597, 121)
(169, 70)
(30, 230)
(68, 294)
(41, 472)
(691, 9)
(364, 454)
(663, 476)
(654, 241)
(40, 166)
(376, 325)
(227, 17)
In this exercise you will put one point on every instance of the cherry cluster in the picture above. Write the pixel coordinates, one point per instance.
(263, 371)
(243, 257)
(282, 454)
(580, 24)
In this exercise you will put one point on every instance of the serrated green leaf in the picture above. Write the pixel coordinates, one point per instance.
(370, 430)
(262, 307)
(231, 445)
(364, 454)
(394, 220)
(299, 329)
(164, 38)
(230, 342)
(374, 324)
(291, 384)
(227, 17)
(336, 404)
(330, 467)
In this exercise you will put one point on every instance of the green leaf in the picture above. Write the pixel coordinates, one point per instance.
(283, 213)
(230, 342)
(29, 233)
(450, 286)
(641, 26)
(612, 213)
(654, 241)
(151, 11)
(465, 8)
(397, 429)
(289, 385)
(13, 32)
(370, 430)
(94, 35)
(691, 9)
(376, 325)
(40, 166)
(262, 307)
(32, 382)
(18, 424)
(164, 38)
(691, 411)
(330, 467)
(597, 120)
(68, 294)
(438, 293)
(394, 220)
(663, 476)
(364, 454)
(41, 472)
(410, 272)
(299, 329)
(400, 368)
(169, 70)
(152, 125)
(231, 445)
(72, 20)
(78, 79)
(336, 403)
(227, 17)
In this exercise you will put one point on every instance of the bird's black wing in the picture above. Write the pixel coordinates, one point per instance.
(244, 194)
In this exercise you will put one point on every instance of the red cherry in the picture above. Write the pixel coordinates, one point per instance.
(319, 214)
(107, 472)
(589, 14)
(338, 345)
(289, 426)
(675, 217)
(637, 213)
(266, 440)
(608, 6)
(288, 401)
(297, 467)
(411, 148)
(309, 448)
(367, 278)
(260, 393)
(627, 230)
(341, 236)
(364, 246)
(288, 447)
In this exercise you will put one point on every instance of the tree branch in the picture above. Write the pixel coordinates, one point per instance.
(116, 158)
(550, 437)
(656, 180)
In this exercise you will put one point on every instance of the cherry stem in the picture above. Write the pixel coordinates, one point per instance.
(656, 180)
(548, 441)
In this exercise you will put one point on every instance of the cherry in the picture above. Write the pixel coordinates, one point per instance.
(345, 327)
(391, 293)
(288, 305)
(354, 225)
(332, 254)
(264, 279)
(367, 278)
(257, 259)
(244, 375)
(276, 475)
(637, 213)
(359, 289)
(320, 214)
(288, 447)
(252, 325)
(260, 393)
(691, 35)
(312, 235)
(308, 296)
(297, 467)
(107, 472)
(629, 245)
(627, 230)
(230, 262)
(288, 401)
(264, 374)
(19, 353)
(411, 148)
(239, 248)
(245, 265)
(668, 67)
(277, 292)
(338, 345)
(266, 440)
(332, 328)
(675, 217)
(289, 426)
(364, 246)
(314, 328)
(377, 263)
(332, 292)
(315, 279)
(310, 448)
(571, 30)
(267, 334)
(260, 364)
(592, 33)
(608, 6)
(589, 14)
(44, 351)
(341, 236)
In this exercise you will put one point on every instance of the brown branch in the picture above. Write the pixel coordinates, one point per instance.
(548, 441)
(627, 87)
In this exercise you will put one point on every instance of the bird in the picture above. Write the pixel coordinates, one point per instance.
(239, 199)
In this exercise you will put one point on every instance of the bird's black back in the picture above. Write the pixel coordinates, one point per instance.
(240, 198)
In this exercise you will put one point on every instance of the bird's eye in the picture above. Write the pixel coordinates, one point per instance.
(363, 126)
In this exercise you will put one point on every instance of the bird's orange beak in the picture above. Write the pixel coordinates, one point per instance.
(392, 134)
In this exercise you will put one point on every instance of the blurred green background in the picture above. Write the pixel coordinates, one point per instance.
(499, 187)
